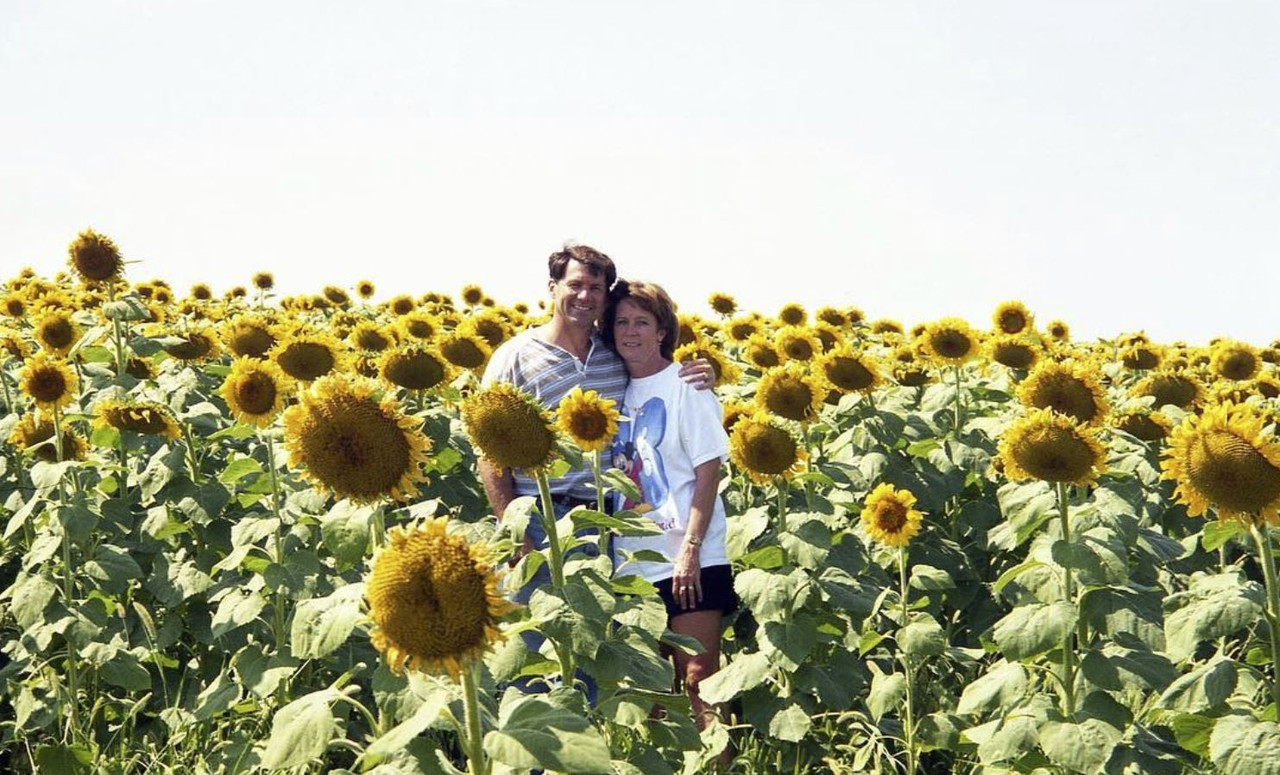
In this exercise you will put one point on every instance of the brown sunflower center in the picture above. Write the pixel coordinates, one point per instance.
(588, 423)
(890, 516)
(766, 449)
(414, 371)
(789, 398)
(372, 339)
(355, 448)
(1142, 427)
(1231, 472)
(1012, 321)
(1065, 394)
(251, 342)
(463, 352)
(57, 333)
(255, 393)
(1054, 454)
(194, 346)
(1238, 365)
(1171, 390)
(47, 385)
(306, 360)
(1014, 355)
(763, 357)
(798, 349)
(849, 374)
(950, 343)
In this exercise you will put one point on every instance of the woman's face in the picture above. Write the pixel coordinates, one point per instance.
(638, 338)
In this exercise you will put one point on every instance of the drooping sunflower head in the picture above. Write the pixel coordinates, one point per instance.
(34, 434)
(249, 336)
(1234, 360)
(95, 257)
(722, 303)
(465, 350)
(371, 337)
(889, 517)
(950, 340)
(338, 297)
(1177, 387)
(1051, 447)
(433, 600)
(255, 391)
(1067, 387)
(1141, 356)
(1143, 424)
(145, 418)
(1225, 458)
(765, 449)
(828, 335)
(50, 382)
(56, 331)
(509, 428)
(1059, 330)
(742, 328)
(849, 371)
(1013, 351)
(307, 356)
(13, 346)
(792, 314)
(1012, 317)
(198, 344)
(414, 367)
(354, 445)
(472, 294)
(590, 420)
(793, 392)
(760, 352)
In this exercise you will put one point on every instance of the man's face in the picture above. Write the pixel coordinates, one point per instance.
(579, 297)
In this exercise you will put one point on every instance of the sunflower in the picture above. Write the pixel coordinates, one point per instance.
(147, 418)
(402, 305)
(1013, 351)
(1226, 459)
(14, 304)
(371, 337)
(433, 600)
(733, 411)
(797, 343)
(792, 314)
(848, 370)
(889, 517)
(413, 367)
(472, 294)
(828, 335)
(792, 391)
(886, 326)
(364, 289)
(490, 326)
(1234, 360)
(255, 391)
(742, 328)
(908, 370)
(306, 356)
(1012, 317)
(34, 434)
(725, 370)
(465, 350)
(349, 442)
(249, 336)
(722, 303)
(509, 428)
(760, 352)
(831, 316)
(201, 292)
(235, 292)
(950, 340)
(1051, 447)
(264, 281)
(139, 368)
(764, 449)
(1058, 330)
(855, 316)
(1177, 387)
(1266, 386)
(50, 383)
(12, 345)
(689, 328)
(197, 345)
(588, 419)
(1069, 388)
(95, 257)
(56, 331)
(1143, 425)
(1141, 356)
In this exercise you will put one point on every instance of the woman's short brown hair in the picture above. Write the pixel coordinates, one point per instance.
(651, 298)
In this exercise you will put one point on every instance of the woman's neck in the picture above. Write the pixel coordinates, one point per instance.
(648, 368)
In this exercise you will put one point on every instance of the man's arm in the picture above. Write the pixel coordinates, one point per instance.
(699, 373)
(499, 486)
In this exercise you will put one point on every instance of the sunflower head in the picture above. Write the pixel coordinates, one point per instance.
(1068, 388)
(1012, 317)
(402, 305)
(908, 369)
(264, 281)
(725, 370)
(760, 352)
(306, 356)
(1234, 360)
(413, 367)
(722, 303)
(255, 391)
(364, 289)
(472, 295)
(509, 428)
(1059, 330)
(348, 441)
(1013, 351)
(95, 257)
(742, 328)
(849, 371)
(1225, 458)
(56, 331)
(12, 345)
(1177, 387)
(797, 343)
(490, 326)
(419, 325)
(14, 305)
(950, 340)
(34, 434)
(249, 336)
(1144, 425)
(201, 292)
(50, 383)
(831, 316)
(889, 517)
(465, 350)
(371, 337)
(198, 344)
(793, 392)
(735, 410)
(1141, 356)
(588, 419)
(146, 418)
(1051, 447)
(765, 449)
(887, 326)
(792, 314)
(433, 600)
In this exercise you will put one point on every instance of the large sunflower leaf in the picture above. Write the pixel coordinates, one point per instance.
(1033, 629)
(535, 733)
(1242, 745)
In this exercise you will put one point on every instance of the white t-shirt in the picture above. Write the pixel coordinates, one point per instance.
(672, 429)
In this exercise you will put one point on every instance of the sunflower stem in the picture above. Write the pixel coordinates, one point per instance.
(909, 725)
(780, 484)
(117, 334)
(1262, 537)
(190, 444)
(956, 370)
(563, 654)
(1068, 647)
(476, 763)
(68, 595)
(278, 601)
(9, 405)
(597, 465)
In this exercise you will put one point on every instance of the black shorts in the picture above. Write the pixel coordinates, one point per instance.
(717, 593)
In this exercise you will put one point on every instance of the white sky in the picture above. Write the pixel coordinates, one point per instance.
(1115, 164)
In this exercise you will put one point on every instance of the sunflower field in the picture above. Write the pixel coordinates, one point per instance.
(245, 534)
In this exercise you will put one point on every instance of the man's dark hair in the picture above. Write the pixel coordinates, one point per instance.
(597, 263)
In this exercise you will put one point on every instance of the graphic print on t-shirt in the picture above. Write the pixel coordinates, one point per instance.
(636, 453)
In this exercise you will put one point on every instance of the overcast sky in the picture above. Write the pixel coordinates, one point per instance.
(1113, 164)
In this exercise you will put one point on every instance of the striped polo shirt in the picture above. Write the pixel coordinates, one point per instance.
(548, 372)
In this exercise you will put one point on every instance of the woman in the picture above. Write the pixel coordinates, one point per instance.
(672, 447)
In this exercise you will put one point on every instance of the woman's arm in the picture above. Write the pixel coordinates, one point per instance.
(686, 578)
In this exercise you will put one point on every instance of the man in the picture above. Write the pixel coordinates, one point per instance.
(550, 360)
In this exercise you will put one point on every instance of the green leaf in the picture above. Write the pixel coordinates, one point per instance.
(321, 625)
(887, 690)
(399, 736)
(744, 671)
(1080, 747)
(30, 598)
(112, 568)
(124, 670)
(624, 523)
(1001, 687)
(58, 759)
(344, 530)
(238, 469)
(1216, 534)
(235, 610)
(300, 731)
(922, 638)
(534, 733)
(1242, 745)
(807, 542)
(618, 481)
(259, 673)
(1033, 629)
(790, 724)
(772, 595)
(930, 579)
(742, 529)
(1192, 731)
(1205, 688)
(789, 643)
(1214, 607)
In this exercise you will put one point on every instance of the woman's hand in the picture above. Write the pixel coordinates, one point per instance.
(686, 580)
